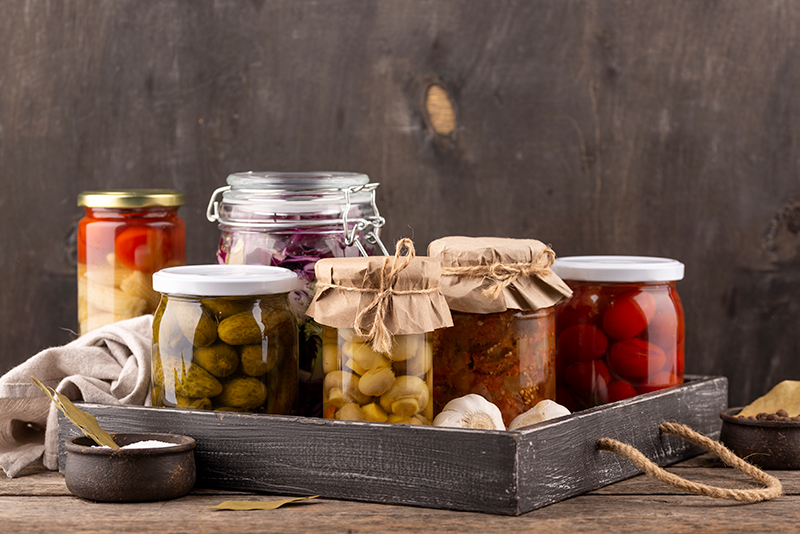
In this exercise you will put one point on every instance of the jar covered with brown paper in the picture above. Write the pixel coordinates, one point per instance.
(502, 294)
(378, 316)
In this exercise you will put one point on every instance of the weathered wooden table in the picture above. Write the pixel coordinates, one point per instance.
(39, 501)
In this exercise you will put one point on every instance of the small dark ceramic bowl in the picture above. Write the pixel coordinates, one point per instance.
(767, 444)
(130, 475)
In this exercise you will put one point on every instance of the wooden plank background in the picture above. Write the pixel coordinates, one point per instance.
(606, 126)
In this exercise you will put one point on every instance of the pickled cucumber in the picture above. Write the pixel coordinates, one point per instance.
(225, 307)
(219, 359)
(240, 329)
(197, 382)
(255, 362)
(243, 392)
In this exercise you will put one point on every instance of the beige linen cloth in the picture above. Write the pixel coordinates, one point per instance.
(110, 365)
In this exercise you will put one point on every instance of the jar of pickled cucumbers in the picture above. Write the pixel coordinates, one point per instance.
(378, 316)
(501, 293)
(292, 220)
(225, 338)
(124, 237)
(622, 331)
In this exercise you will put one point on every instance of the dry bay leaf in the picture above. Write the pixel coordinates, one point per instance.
(785, 395)
(85, 421)
(257, 505)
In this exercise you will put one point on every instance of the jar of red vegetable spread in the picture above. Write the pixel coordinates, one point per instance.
(501, 293)
(225, 338)
(622, 332)
(292, 220)
(377, 316)
(124, 237)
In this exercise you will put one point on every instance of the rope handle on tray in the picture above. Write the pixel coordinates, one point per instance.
(772, 490)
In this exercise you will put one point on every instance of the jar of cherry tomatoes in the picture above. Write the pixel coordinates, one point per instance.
(124, 237)
(501, 293)
(291, 220)
(622, 332)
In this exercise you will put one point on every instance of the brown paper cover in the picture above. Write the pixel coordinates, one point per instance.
(415, 303)
(468, 293)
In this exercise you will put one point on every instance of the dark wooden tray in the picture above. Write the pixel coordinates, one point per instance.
(500, 472)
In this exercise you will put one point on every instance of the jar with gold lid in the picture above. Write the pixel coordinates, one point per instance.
(124, 237)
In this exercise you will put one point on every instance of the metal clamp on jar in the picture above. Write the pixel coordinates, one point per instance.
(291, 220)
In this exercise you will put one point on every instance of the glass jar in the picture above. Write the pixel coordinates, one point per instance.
(501, 293)
(364, 385)
(506, 357)
(292, 220)
(622, 332)
(379, 315)
(225, 338)
(123, 238)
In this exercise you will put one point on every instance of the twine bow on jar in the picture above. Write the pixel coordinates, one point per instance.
(370, 321)
(502, 274)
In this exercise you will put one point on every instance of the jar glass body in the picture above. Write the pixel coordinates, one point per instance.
(507, 357)
(119, 249)
(291, 221)
(225, 353)
(618, 340)
(364, 385)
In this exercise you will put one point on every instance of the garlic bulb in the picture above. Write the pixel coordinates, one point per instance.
(543, 411)
(470, 411)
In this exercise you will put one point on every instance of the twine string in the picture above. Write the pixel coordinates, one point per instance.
(504, 274)
(772, 489)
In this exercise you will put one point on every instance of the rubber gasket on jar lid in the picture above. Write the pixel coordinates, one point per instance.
(618, 269)
(224, 280)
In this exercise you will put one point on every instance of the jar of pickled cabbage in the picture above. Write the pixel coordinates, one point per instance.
(501, 293)
(378, 315)
(225, 338)
(622, 331)
(124, 237)
(292, 220)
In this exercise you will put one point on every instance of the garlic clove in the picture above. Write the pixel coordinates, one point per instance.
(470, 411)
(543, 411)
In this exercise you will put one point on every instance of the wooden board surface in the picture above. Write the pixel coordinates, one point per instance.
(461, 469)
(40, 503)
(598, 126)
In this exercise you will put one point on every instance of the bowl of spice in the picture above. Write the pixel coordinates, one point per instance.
(146, 467)
(766, 432)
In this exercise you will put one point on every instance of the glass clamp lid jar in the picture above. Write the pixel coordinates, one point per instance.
(123, 238)
(501, 293)
(378, 316)
(292, 220)
(622, 332)
(225, 338)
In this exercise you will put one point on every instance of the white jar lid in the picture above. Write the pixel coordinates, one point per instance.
(618, 269)
(224, 280)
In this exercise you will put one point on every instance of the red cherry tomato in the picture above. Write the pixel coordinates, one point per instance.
(628, 315)
(635, 359)
(588, 378)
(142, 248)
(663, 329)
(619, 390)
(581, 343)
(660, 380)
(586, 306)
